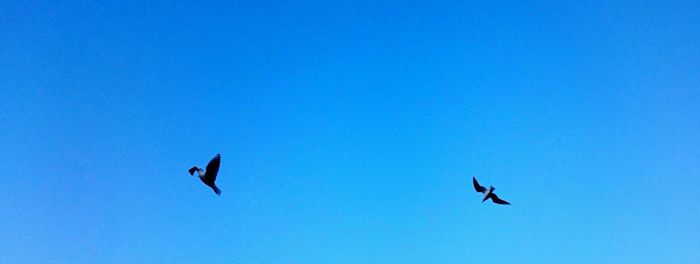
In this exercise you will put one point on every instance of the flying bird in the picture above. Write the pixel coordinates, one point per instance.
(488, 193)
(208, 176)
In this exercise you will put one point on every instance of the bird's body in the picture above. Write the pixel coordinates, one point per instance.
(208, 176)
(488, 193)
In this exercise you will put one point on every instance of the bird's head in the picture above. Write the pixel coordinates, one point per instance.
(192, 170)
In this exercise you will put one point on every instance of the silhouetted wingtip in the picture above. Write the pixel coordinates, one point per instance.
(498, 200)
(478, 187)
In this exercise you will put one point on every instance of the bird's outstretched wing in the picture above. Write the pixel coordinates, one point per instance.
(497, 200)
(478, 187)
(213, 168)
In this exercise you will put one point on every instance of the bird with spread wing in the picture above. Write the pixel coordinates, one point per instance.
(488, 193)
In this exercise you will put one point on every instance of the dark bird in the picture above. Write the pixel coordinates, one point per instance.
(208, 176)
(487, 193)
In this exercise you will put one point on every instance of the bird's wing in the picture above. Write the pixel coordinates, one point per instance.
(213, 168)
(497, 200)
(478, 187)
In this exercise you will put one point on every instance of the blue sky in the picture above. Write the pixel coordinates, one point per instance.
(349, 131)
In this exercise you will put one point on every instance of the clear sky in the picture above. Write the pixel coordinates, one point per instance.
(349, 131)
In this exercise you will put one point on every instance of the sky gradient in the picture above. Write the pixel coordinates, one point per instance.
(349, 131)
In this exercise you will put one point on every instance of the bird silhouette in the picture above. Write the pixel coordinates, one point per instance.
(488, 193)
(208, 176)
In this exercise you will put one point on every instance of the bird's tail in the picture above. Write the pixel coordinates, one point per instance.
(216, 190)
